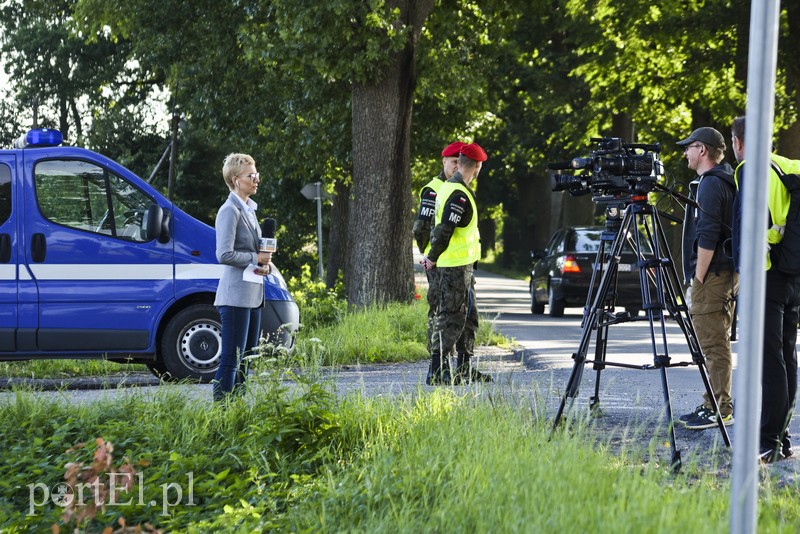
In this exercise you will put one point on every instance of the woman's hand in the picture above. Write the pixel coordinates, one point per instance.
(264, 270)
(264, 258)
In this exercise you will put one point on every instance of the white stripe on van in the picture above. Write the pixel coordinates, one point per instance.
(122, 271)
(8, 272)
(198, 271)
(92, 271)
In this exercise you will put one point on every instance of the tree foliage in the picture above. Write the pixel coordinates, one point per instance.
(362, 96)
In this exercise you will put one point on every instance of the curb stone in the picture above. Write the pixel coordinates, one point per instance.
(81, 383)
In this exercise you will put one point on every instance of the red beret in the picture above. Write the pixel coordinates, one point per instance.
(474, 152)
(453, 149)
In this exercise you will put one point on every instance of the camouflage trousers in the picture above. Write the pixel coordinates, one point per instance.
(456, 316)
(433, 303)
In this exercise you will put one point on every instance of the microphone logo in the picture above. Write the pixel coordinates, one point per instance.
(268, 244)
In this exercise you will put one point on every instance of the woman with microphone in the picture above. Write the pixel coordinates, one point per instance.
(240, 293)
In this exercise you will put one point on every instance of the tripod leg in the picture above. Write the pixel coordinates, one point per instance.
(676, 454)
(658, 280)
(590, 322)
(680, 312)
(601, 345)
(572, 389)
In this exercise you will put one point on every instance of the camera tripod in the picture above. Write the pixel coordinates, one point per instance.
(661, 290)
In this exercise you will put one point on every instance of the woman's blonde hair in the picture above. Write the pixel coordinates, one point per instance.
(233, 165)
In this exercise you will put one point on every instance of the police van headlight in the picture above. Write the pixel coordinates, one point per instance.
(276, 277)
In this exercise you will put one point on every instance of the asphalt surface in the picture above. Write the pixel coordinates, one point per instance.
(534, 372)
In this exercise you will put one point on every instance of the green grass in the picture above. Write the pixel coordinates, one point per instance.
(40, 368)
(388, 333)
(304, 461)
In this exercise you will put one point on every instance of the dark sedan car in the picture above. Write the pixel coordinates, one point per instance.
(561, 273)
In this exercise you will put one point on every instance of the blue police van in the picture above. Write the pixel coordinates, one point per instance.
(95, 263)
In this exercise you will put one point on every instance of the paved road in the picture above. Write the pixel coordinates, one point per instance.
(626, 395)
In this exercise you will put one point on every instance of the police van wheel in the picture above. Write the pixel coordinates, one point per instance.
(191, 344)
(158, 370)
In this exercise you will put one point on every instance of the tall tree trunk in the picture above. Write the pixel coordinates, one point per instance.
(63, 118)
(789, 140)
(379, 268)
(337, 240)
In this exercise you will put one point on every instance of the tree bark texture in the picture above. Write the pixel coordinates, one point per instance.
(379, 267)
(337, 239)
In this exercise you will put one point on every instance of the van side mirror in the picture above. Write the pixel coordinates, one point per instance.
(153, 220)
(166, 219)
(537, 254)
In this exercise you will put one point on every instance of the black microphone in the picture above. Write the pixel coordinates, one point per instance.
(268, 242)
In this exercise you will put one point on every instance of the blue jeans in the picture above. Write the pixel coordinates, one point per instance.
(241, 329)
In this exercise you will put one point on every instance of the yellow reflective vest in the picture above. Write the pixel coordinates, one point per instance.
(778, 197)
(435, 184)
(465, 244)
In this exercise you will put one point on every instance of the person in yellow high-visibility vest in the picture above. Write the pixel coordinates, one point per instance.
(424, 223)
(782, 299)
(455, 248)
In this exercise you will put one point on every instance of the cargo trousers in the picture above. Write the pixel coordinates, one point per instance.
(456, 316)
(712, 314)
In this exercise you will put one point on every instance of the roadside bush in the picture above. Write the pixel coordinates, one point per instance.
(319, 306)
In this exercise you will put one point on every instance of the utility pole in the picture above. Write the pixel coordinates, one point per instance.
(173, 155)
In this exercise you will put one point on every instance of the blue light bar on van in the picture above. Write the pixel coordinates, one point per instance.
(39, 137)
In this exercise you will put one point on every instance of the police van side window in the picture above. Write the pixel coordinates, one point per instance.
(5, 193)
(88, 197)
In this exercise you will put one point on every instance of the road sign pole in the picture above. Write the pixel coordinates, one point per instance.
(319, 228)
(314, 191)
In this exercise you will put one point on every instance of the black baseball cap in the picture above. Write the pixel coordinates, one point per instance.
(707, 135)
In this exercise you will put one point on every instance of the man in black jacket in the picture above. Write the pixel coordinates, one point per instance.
(709, 269)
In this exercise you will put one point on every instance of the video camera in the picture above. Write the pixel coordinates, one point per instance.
(614, 169)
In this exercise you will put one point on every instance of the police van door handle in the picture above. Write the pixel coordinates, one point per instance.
(38, 248)
(5, 248)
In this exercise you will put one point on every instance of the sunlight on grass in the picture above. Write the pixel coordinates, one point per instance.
(303, 460)
(387, 333)
(41, 368)
(454, 465)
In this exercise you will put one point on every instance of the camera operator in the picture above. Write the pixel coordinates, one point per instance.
(710, 271)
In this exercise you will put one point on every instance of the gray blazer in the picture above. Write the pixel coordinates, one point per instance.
(237, 247)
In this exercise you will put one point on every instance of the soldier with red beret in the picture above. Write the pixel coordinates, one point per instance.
(455, 248)
(424, 223)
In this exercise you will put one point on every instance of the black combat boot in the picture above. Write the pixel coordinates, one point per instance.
(466, 374)
(439, 372)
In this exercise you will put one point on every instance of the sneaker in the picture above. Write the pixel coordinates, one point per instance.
(708, 420)
(786, 447)
(700, 411)
(439, 378)
(768, 455)
(468, 375)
